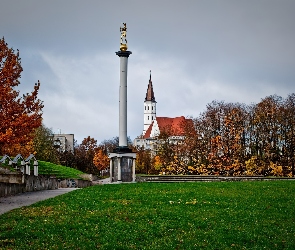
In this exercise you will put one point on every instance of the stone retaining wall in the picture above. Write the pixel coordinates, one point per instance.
(7, 189)
(31, 183)
(16, 178)
(206, 178)
(36, 183)
(74, 183)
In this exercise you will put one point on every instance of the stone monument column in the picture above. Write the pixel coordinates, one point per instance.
(123, 97)
(122, 164)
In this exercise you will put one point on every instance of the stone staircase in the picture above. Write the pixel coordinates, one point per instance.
(202, 178)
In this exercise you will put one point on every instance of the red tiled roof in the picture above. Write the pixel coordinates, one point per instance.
(174, 125)
(148, 132)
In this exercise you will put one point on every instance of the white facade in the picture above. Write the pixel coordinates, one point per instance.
(149, 144)
(149, 114)
(155, 130)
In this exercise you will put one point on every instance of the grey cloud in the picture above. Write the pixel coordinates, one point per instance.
(198, 51)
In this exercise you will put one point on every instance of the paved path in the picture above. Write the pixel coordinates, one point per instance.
(102, 181)
(28, 198)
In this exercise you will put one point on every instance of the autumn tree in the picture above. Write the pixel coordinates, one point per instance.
(165, 150)
(170, 153)
(286, 136)
(84, 154)
(144, 161)
(101, 160)
(233, 139)
(288, 149)
(20, 115)
(267, 123)
(210, 129)
(68, 158)
(43, 145)
(188, 142)
(233, 135)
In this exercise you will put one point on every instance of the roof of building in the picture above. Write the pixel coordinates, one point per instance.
(175, 126)
(150, 96)
(148, 131)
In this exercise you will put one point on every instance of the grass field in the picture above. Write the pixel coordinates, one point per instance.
(223, 215)
(62, 172)
(48, 168)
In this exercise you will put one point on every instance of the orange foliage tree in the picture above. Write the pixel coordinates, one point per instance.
(146, 162)
(228, 139)
(19, 116)
(101, 160)
(235, 139)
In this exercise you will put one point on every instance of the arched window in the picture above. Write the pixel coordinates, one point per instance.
(148, 117)
(148, 107)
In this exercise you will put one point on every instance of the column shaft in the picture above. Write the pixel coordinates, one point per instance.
(133, 169)
(123, 102)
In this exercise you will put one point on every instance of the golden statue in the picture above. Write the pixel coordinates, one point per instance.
(123, 43)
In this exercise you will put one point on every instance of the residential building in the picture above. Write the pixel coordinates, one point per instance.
(64, 142)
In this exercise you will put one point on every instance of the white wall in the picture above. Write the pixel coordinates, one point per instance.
(149, 109)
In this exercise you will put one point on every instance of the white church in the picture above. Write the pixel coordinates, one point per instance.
(153, 125)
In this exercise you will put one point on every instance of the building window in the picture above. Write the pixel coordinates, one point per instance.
(144, 107)
(152, 118)
(148, 107)
(148, 117)
(152, 108)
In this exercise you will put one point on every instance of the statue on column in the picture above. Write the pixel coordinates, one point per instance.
(123, 43)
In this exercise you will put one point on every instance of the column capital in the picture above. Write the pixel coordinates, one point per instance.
(123, 53)
(122, 155)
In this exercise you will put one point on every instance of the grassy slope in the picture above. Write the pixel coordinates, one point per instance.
(47, 168)
(62, 172)
(226, 215)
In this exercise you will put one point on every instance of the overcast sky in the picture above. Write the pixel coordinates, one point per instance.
(198, 51)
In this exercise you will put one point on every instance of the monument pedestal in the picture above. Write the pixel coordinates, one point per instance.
(122, 165)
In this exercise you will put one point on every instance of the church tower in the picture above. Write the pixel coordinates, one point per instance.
(149, 106)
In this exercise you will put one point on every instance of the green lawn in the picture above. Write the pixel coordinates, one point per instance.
(62, 172)
(48, 168)
(215, 215)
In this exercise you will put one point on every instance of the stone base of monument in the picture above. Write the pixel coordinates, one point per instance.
(122, 165)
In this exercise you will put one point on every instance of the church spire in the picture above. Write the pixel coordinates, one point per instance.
(150, 103)
(150, 96)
